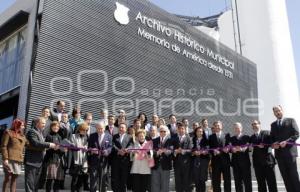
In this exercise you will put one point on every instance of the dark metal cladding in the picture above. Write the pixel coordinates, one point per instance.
(82, 50)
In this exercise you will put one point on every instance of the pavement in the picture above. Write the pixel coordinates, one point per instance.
(20, 184)
(20, 181)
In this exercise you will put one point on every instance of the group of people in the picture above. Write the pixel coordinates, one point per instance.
(139, 157)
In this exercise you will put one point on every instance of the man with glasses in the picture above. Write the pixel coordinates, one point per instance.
(160, 173)
(101, 142)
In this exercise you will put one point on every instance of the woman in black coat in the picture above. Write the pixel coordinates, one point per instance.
(200, 159)
(54, 159)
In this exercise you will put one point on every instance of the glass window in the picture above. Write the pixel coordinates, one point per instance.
(13, 42)
(11, 59)
(3, 55)
(21, 42)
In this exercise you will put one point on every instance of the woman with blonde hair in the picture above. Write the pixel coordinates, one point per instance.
(79, 164)
(12, 147)
(161, 122)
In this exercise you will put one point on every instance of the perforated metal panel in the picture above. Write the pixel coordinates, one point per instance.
(83, 50)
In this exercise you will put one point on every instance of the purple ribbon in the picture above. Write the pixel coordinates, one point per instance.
(228, 147)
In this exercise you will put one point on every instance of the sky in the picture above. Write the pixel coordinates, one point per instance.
(205, 8)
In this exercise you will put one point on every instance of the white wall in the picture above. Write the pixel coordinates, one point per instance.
(24, 5)
(265, 39)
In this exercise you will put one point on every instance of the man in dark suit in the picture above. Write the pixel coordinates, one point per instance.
(263, 159)
(101, 142)
(240, 159)
(160, 173)
(46, 114)
(173, 125)
(182, 158)
(58, 111)
(220, 160)
(111, 128)
(121, 159)
(34, 155)
(207, 131)
(194, 126)
(283, 131)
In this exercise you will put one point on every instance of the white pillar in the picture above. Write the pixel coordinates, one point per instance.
(265, 39)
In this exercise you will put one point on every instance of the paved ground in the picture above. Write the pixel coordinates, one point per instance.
(20, 184)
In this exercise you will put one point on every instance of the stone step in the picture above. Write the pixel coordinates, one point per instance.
(20, 184)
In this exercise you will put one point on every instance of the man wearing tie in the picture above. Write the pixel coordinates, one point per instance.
(121, 160)
(111, 128)
(88, 118)
(58, 111)
(240, 159)
(172, 126)
(34, 154)
(206, 129)
(220, 160)
(182, 158)
(160, 174)
(283, 132)
(101, 145)
(263, 159)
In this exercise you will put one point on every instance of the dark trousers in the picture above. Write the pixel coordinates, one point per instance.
(265, 174)
(200, 172)
(141, 182)
(217, 170)
(42, 178)
(288, 170)
(242, 177)
(97, 179)
(85, 178)
(182, 183)
(76, 183)
(191, 176)
(56, 185)
(119, 171)
(130, 178)
(32, 175)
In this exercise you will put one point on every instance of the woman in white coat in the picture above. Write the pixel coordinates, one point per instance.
(142, 162)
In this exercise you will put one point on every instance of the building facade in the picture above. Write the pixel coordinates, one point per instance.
(264, 38)
(132, 55)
